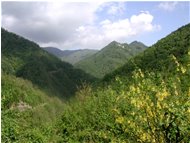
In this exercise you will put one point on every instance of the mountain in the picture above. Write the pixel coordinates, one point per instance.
(110, 58)
(159, 56)
(23, 58)
(71, 56)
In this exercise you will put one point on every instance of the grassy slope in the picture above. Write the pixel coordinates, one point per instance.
(27, 112)
(108, 59)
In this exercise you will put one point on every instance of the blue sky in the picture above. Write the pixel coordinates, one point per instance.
(94, 25)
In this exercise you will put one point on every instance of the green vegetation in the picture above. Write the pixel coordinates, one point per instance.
(109, 58)
(144, 111)
(27, 113)
(147, 100)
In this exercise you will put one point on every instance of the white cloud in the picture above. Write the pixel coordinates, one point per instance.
(120, 30)
(47, 21)
(73, 25)
(168, 6)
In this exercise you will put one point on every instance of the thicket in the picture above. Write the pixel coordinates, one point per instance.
(151, 109)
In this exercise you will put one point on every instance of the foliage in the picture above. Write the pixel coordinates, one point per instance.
(27, 113)
(150, 109)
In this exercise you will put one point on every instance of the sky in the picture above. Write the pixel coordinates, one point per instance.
(93, 25)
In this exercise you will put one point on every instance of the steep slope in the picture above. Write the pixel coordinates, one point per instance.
(70, 56)
(158, 57)
(109, 58)
(26, 59)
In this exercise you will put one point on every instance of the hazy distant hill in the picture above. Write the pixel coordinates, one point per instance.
(78, 55)
(110, 58)
(71, 56)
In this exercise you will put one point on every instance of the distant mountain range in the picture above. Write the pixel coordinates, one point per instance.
(102, 62)
(110, 58)
(71, 56)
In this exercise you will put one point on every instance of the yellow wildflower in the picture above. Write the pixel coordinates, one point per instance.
(119, 120)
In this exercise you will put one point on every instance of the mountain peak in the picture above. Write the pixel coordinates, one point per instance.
(113, 43)
(135, 42)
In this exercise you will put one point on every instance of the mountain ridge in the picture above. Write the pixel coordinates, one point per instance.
(108, 58)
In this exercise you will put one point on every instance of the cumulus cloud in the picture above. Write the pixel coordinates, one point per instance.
(47, 21)
(168, 6)
(117, 30)
(73, 25)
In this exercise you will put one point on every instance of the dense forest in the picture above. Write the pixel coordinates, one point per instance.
(145, 100)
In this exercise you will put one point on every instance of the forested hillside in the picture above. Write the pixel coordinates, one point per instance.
(26, 59)
(110, 58)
